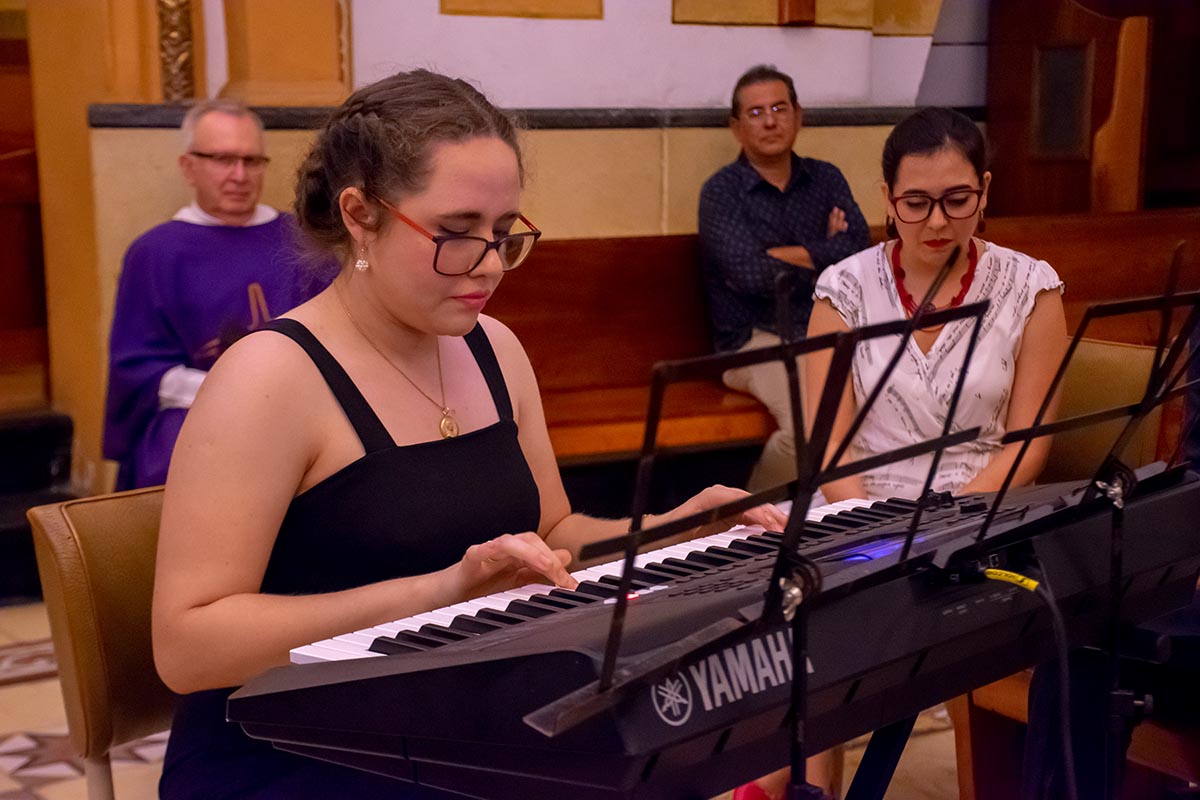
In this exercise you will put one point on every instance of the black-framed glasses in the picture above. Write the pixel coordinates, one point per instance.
(759, 113)
(958, 204)
(231, 160)
(460, 253)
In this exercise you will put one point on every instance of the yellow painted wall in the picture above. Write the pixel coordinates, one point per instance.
(582, 183)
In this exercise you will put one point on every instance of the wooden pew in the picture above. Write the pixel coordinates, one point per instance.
(1107, 257)
(596, 314)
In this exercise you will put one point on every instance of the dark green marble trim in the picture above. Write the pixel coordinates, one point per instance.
(133, 115)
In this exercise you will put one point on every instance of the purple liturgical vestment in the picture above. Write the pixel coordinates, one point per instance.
(187, 292)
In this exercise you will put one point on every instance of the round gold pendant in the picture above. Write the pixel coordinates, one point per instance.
(448, 426)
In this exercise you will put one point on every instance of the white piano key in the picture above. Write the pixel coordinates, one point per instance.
(310, 653)
(480, 603)
(362, 640)
(438, 617)
(335, 644)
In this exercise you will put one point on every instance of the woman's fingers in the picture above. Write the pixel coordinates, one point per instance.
(769, 516)
(528, 550)
(766, 515)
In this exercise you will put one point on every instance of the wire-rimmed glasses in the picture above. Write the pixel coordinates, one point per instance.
(758, 114)
(231, 160)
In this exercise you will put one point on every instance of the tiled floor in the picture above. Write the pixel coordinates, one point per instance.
(36, 762)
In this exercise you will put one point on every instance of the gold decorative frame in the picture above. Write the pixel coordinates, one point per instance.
(175, 50)
(553, 9)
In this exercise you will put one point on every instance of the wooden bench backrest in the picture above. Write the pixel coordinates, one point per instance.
(601, 312)
(1104, 257)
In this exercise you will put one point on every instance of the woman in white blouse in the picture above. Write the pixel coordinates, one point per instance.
(935, 187)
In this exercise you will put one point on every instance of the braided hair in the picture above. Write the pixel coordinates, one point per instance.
(379, 141)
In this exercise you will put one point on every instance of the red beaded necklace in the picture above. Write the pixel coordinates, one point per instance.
(906, 299)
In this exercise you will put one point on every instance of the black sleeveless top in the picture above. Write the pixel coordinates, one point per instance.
(402, 510)
(397, 511)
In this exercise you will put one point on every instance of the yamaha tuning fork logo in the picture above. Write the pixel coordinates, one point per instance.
(673, 700)
(726, 676)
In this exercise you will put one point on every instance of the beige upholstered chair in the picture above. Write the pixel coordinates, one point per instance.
(1101, 375)
(96, 562)
(989, 721)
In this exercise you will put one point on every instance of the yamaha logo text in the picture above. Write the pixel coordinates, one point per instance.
(739, 671)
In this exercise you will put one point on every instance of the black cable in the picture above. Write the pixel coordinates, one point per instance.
(1061, 644)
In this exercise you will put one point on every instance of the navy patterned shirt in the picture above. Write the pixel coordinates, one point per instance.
(742, 215)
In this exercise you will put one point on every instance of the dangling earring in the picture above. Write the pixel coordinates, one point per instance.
(362, 265)
(889, 227)
(982, 226)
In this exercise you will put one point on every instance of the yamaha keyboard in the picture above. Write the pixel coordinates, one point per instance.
(440, 699)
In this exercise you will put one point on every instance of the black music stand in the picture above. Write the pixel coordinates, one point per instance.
(794, 580)
(1115, 481)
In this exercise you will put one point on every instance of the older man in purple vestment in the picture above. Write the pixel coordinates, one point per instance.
(190, 287)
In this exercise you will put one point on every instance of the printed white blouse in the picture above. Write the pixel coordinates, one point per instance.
(914, 404)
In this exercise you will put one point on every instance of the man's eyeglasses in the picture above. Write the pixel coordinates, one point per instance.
(958, 204)
(758, 114)
(460, 253)
(231, 160)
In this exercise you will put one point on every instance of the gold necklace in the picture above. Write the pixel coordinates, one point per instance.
(448, 426)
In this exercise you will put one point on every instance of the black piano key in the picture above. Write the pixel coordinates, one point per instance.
(722, 550)
(601, 590)
(473, 624)
(690, 566)
(495, 615)
(775, 538)
(442, 632)
(860, 516)
(390, 647)
(571, 594)
(523, 608)
(615, 580)
(669, 573)
(896, 505)
(874, 513)
(753, 547)
(419, 639)
(712, 559)
(842, 521)
(650, 576)
(559, 603)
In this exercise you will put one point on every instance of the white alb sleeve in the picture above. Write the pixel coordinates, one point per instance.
(178, 387)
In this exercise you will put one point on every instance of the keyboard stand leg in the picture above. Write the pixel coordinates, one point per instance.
(879, 761)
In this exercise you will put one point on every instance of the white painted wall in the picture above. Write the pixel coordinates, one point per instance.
(636, 57)
(216, 58)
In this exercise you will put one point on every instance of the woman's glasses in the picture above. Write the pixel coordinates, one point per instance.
(459, 253)
(958, 204)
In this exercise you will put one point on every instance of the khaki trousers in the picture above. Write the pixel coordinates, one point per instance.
(767, 382)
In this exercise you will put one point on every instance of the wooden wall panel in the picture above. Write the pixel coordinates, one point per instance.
(314, 67)
(1035, 46)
